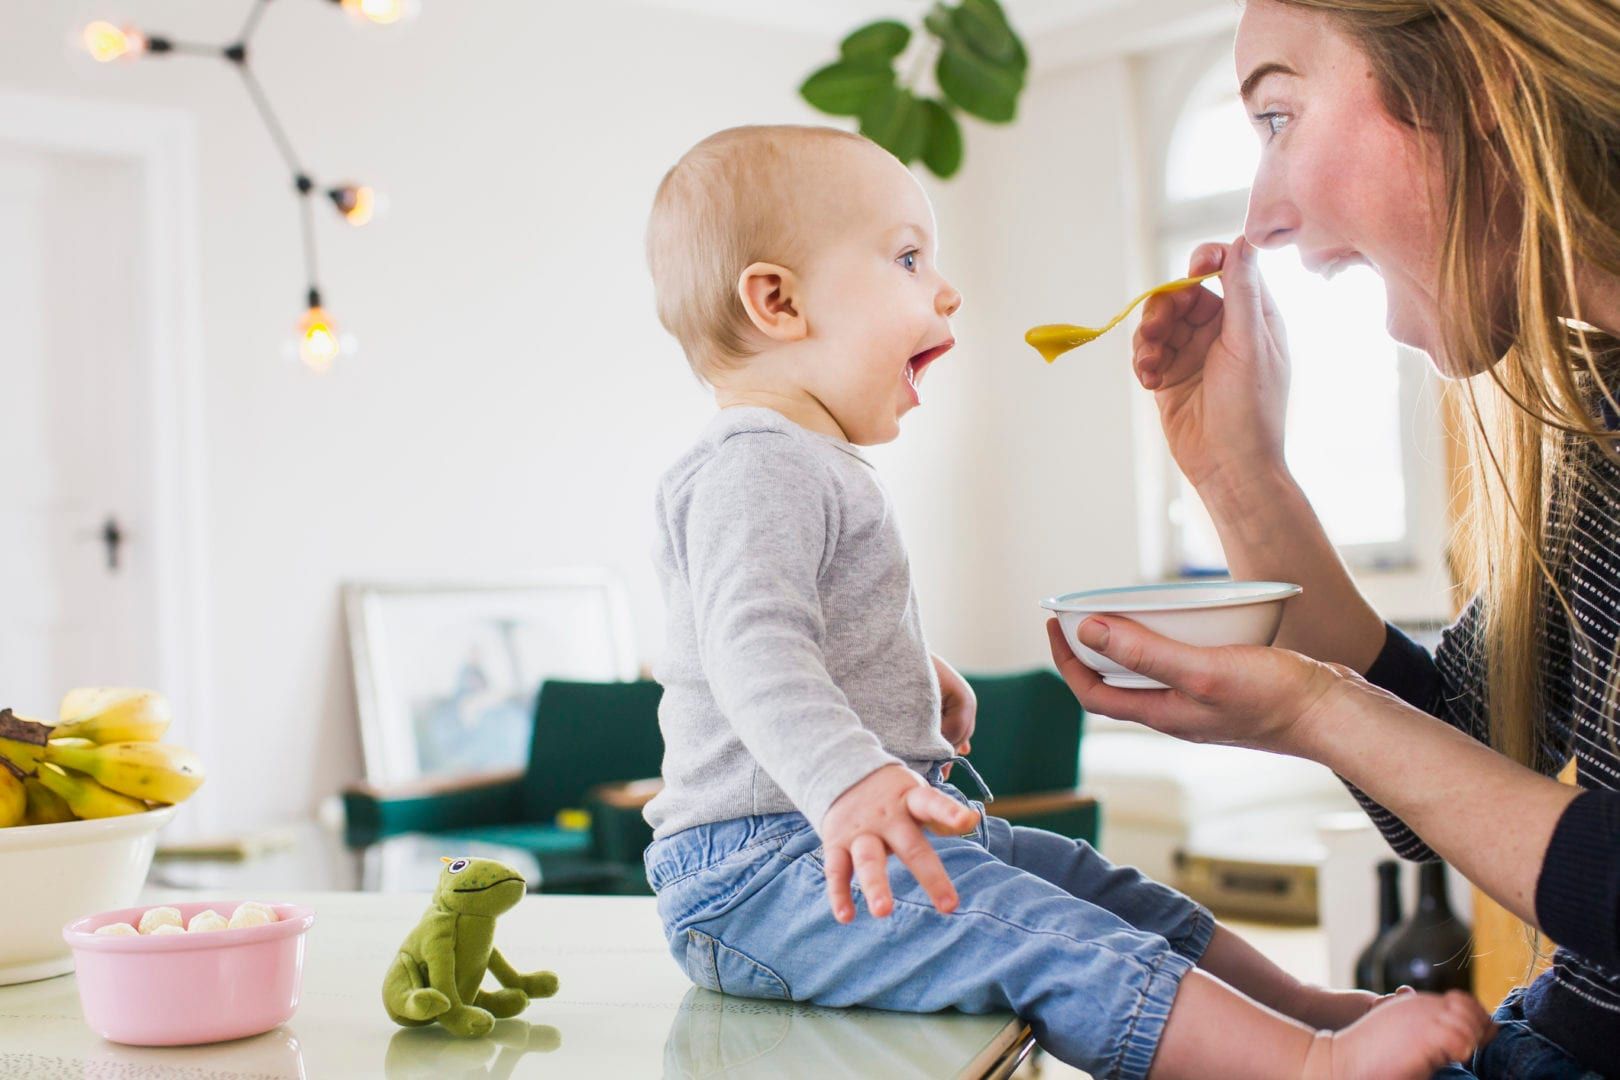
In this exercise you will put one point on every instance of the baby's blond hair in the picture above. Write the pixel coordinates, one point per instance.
(732, 200)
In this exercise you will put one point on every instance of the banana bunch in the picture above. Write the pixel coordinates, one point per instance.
(102, 758)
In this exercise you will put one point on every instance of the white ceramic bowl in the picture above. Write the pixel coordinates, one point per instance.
(1197, 612)
(52, 874)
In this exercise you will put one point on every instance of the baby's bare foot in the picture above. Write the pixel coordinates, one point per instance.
(1409, 1035)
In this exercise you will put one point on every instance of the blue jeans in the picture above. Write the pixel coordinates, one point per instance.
(1089, 954)
(1518, 1052)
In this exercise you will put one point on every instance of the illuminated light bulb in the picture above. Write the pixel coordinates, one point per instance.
(106, 42)
(381, 12)
(318, 344)
(356, 202)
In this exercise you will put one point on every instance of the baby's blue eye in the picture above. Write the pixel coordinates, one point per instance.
(909, 261)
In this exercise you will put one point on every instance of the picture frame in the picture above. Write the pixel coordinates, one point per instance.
(446, 672)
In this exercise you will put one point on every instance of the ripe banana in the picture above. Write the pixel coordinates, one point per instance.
(13, 799)
(143, 770)
(85, 797)
(111, 714)
(45, 807)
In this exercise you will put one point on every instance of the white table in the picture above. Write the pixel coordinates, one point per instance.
(624, 1010)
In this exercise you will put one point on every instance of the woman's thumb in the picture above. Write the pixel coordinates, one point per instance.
(1138, 649)
(1241, 287)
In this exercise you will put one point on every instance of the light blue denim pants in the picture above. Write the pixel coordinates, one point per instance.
(1089, 953)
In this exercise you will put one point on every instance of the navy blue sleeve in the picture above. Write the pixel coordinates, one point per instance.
(1448, 685)
(1578, 893)
(1406, 669)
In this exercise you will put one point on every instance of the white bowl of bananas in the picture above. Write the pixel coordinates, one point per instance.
(81, 802)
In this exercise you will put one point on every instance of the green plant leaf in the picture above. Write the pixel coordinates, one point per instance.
(883, 40)
(976, 86)
(848, 87)
(939, 22)
(942, 142)
(984, 26)
(896, 121)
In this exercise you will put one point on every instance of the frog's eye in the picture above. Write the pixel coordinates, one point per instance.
(458, 866)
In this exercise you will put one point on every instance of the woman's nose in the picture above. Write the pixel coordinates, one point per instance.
(947, 301)
(1272, 218)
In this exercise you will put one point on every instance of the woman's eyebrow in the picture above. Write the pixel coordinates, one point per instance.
(1254, 77)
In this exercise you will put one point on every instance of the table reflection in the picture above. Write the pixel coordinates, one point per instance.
(718, 1035)
(428, 1053)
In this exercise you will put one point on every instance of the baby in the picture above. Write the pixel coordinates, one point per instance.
(807, 728)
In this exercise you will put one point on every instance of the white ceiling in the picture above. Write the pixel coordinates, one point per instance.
(835, 18)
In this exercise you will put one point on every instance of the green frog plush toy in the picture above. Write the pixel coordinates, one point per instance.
(439, 969)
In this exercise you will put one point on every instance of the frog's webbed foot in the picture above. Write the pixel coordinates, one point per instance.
(538, 984)
(468, 1021)
(502, 1004)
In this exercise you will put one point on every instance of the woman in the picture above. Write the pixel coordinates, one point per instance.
(1469, 150)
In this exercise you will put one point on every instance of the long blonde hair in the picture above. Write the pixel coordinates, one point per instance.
(1522, 100)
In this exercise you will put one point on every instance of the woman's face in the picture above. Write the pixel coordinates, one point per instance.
(1338, 176)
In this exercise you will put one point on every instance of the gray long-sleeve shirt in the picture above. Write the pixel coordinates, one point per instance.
(794, 662)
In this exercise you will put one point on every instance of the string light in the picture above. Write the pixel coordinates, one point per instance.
(106, 42)
(317, 340)
(381, 12)
(356, 202)
(318, 343)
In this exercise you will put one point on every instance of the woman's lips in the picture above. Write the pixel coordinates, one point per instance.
(1329, 265)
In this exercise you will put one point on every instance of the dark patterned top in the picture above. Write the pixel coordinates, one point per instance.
(1576, 1003)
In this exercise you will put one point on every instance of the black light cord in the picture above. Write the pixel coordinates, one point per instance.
(255, 13)
(236, 53)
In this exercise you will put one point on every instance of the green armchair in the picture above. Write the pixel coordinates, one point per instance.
(586, 735)
(1027, 746)
(596, 747)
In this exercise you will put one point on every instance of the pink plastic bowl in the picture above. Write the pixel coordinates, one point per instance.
(181, 989)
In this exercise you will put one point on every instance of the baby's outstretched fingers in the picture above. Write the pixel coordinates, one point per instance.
(913, 849)
(939, 813)
(840, 868)
(871, 857)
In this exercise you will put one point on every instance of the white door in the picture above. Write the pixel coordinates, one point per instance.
(76, 491)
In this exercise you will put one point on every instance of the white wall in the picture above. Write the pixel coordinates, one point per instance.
(1038, 228)
(515, 398)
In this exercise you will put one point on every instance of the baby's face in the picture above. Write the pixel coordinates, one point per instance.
(877, 306)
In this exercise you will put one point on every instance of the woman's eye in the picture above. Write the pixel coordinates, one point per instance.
(909, 261)
(1274, 122)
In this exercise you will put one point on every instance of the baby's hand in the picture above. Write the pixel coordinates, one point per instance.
(958, 707)
(883, 813)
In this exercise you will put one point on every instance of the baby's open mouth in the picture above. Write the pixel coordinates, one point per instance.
(915, 366)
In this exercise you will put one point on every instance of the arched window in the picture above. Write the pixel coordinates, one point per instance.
(1353, 396)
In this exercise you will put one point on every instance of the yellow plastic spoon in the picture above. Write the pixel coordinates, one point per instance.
(1055, 339)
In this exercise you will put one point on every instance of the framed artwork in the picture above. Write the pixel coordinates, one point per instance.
(445, 674)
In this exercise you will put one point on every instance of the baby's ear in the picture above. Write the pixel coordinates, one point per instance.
(770, 294)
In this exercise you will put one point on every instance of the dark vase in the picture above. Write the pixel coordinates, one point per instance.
(1370, 964)
(1430, 951)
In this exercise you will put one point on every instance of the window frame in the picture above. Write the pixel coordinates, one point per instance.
(1163, 537)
